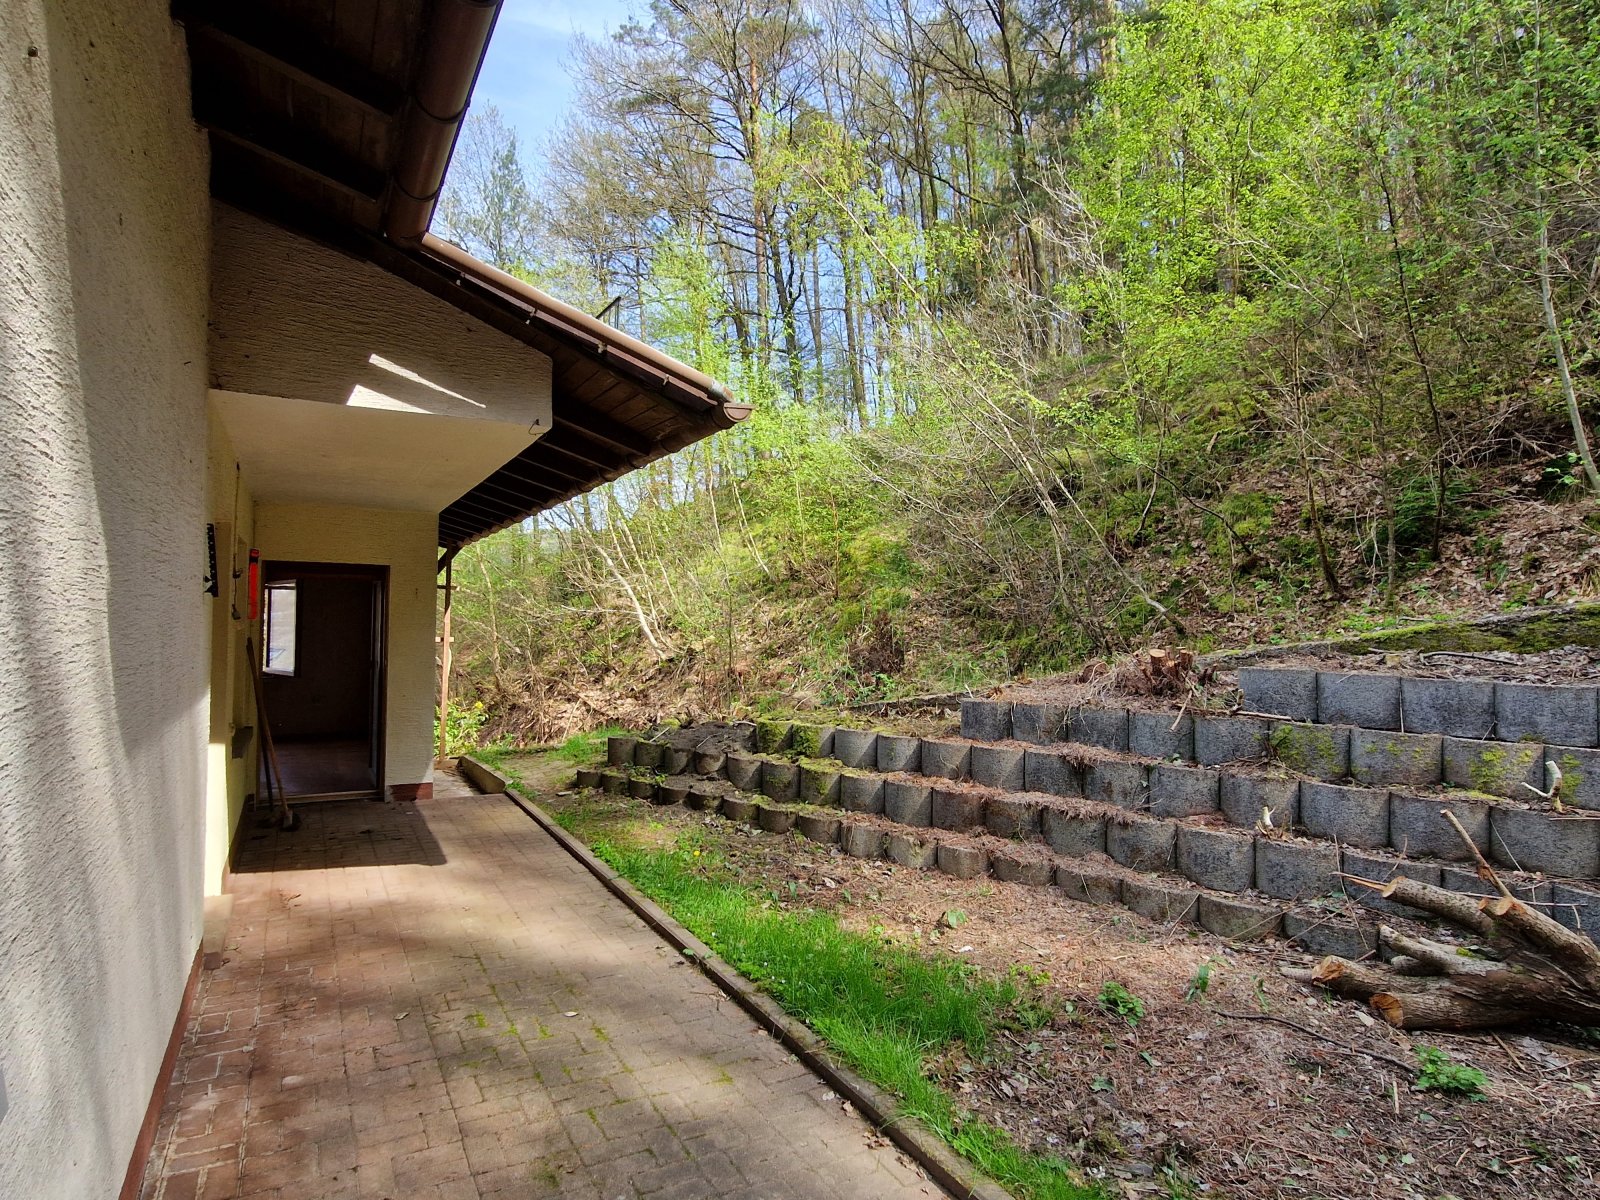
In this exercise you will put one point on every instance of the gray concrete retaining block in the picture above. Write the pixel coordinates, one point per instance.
(1051, 772)
(896, 753)
(861, 840)
(1324, 934)
(587, 777)
(907, 803)
(1465, 880)
(772, 737)
(737, 808)
(1457, 707)
(1183, 791)
(1404, 759)
(998, 767)
(1381, 868)
(811, 741)
(1239, 920)
(1141, 844)
(951, 808)
(1352, 815)
(1088, 885)
(709, 762)
(1280, 692)
(1529, 840)
(1219, 740)
(1040, 724)
(780, 780)
(962, 862)
(1096, 726)
(818, 827)
(1011, 816)
(861, 793)
(675, 791)
(775, 819)
(819, 785)
(1320, 751)
(1161, 735)
(743, 771)
(1358, 698)
(908, 851)
(856, 748)
(1125, 784)
(942, 759)
(1216, 859)
(1296, 870)
(1496, 768)
(675, 760)
(1073, 834)
(647, 754)
(619, 751)
(614, 783)
(642, 789)
(1242, 798)
(1580, 774)
(1415, 826)
(703, 798)
(1556, 714)
(986, 720)
(1577, 908)
(1161, 902)
(1016, 867)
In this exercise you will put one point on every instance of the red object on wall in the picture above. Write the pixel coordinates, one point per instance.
(255, 585)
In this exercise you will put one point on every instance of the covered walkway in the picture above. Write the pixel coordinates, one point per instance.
(432, 1000)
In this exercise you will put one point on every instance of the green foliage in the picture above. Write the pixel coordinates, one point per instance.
(589, 746)
(1118, 1001)
(463, 727)
(1439, 1073)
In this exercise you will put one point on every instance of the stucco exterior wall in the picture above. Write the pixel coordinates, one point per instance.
(405, 542)
(103, 692)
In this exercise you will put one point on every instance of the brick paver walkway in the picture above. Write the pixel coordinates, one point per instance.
(433, 1000)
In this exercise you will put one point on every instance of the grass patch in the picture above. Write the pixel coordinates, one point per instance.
(884, 1009)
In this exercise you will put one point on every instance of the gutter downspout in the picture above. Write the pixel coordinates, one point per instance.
(452, 54)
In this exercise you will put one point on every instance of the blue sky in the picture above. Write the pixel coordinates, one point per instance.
(525, 73)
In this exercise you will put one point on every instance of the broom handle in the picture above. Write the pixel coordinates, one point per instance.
(266, 728)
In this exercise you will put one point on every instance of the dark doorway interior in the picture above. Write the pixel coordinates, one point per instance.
(322, 676)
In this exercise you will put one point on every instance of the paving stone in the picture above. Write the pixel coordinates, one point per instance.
(907, 803)
(1164, 903)
(986, 720)
(1399, 759)
(1292, 870)
(1323, 934)
(744, 771)
(1161, 735)
(1558, 714)
(953, 808)
(1361, 698)
(907, 850)
(1285, 692)
(1125, 784)
(1219, 740)
(1353, 816)
(819, 785)
(1183, 791)
(1216, 858)
(1093, 725)
(1580, 774)
(1320, 751)
(861, 793)
(1577, 908)
(1244, 796)
(780, 780)
(1238, 920)
(1088, 885)
(999, 767)
(1531, 840)
(1013, 816)
(1054, 772)
(1457, 707)
(1073, 833)
(1415, 826)
(962, 862)
(1495, 768)
(1382, 868)
(943, 759)
(1140, 843)
(896, 753)
(856, 748)
(1040, 724)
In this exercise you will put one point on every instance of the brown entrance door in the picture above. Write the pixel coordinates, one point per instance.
(323, 639)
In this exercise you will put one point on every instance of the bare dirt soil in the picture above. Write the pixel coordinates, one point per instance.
(1257, 1087)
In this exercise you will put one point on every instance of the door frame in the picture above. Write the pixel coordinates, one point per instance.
(277, 569)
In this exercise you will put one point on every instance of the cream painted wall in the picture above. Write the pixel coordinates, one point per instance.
(406, 542)
(104, 229)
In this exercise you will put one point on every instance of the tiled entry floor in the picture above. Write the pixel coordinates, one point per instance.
(433, 1000)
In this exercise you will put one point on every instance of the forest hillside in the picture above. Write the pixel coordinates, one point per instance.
(1071, 327)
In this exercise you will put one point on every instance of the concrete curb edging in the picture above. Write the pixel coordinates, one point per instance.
(876, 1105)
